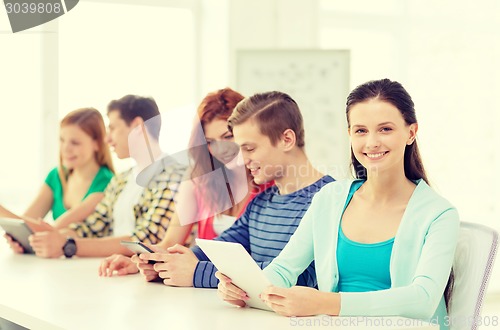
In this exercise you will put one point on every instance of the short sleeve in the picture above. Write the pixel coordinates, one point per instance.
(52, 179)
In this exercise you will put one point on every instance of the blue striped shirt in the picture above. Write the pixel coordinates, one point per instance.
(269, 221)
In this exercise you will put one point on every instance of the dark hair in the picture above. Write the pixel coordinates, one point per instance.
(216, 105)
(274, 112)
(133, 106)
(393, 93)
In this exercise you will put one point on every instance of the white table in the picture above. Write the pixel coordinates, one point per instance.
(68, 294)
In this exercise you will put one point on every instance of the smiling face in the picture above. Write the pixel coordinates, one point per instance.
(264, 160)
(379, 136)
(77, 147)
(220, 141)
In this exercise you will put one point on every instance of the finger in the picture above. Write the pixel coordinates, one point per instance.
(136, 260)
(164, 275)
(40, 253)
(130, 269)
(272, 299)
(17, 248)
(163, 257)
(35, 244)
(150, 276)
(145, 267)
(160, 267)
(228, 295)
(37, 238)
(112, 266)
(274, 290)
(168, 281)
(234, 291)
(222, 277)
(103, 266)
(237, 302)
(177, 248)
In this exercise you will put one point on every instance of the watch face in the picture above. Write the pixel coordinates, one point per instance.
(69, 248)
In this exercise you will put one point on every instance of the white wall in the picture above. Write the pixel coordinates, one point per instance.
(446, 54)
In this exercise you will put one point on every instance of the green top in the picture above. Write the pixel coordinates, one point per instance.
(99, 183)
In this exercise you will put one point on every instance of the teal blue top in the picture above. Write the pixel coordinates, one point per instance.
(362, 267)
(99, 183)
(421, 258)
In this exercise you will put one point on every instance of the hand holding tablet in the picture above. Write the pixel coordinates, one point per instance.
(138, 248)
(232, 260)
(18, 231)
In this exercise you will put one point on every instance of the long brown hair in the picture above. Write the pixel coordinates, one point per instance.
(216, 105)
(91, 122)
(394, 93)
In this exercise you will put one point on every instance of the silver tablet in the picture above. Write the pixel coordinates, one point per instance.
(19, 231)
(233, 260)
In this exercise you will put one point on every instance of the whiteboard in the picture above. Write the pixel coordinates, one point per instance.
(318, 80)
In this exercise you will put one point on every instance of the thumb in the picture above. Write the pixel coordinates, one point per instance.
(177, 248)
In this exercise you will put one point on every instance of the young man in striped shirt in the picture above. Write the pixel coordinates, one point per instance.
(269, 129)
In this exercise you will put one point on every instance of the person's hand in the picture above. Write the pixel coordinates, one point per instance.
(48, 244)
(295, 301)
(37, 225)
(145, 267)
(229, 292)
(119, 264)
(14, 245)
(176, 267)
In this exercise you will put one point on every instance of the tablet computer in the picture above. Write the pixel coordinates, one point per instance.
(19, 231)
(233, 260)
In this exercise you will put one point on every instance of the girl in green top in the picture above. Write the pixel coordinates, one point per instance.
(73, 189)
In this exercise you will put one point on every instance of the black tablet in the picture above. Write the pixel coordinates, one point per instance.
(19, 231)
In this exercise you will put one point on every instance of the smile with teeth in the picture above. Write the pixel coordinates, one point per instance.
(377, 155)
(253, 169)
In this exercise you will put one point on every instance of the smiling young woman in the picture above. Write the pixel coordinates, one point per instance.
(73, 189)
(383, 244)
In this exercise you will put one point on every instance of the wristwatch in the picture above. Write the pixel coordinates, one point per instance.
(69, 248)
